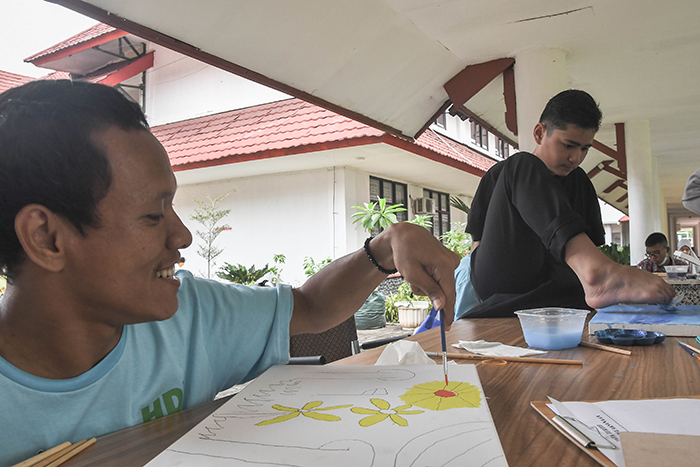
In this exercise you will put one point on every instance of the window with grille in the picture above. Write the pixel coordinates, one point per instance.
(502, 148)
(441, 218)
(441, 121)
(392, 192)
(480, 136)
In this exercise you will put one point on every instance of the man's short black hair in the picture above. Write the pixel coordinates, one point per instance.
(48, 155)
(571, 107)
(657, 238)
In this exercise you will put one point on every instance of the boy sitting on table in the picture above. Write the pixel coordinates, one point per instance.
(97, 333)
(535, 222)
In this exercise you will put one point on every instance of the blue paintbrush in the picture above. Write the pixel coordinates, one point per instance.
(444, 345)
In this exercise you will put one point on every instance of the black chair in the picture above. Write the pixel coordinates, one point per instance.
(336, 343)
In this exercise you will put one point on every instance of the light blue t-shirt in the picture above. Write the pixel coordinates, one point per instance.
(222, 334)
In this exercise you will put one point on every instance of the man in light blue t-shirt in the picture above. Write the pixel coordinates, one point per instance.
(97, 332)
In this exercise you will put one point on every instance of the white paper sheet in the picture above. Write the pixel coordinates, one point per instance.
(667, 416)
(352, 416)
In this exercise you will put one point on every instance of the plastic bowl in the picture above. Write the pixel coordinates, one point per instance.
(676, 271)
(552, 328)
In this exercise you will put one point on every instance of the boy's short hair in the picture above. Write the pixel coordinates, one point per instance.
(48, 155)
(571, 107)
(657, 238)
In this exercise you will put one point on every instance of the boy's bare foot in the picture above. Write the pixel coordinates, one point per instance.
(607, 283)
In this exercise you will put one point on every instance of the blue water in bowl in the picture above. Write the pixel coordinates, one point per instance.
(552, 337)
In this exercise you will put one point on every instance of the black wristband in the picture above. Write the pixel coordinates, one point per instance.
(374, 261)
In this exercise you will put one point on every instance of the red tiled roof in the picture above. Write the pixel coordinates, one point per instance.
(289, 127)
(97, 34)
(11, 80)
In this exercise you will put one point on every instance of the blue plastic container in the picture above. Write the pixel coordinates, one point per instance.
(552, 328)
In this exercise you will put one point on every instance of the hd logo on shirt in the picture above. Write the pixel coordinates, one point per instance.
(171, 400)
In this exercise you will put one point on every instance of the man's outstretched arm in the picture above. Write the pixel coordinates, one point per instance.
(337, 291)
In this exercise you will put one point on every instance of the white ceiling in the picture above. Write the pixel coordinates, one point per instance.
(387, 60)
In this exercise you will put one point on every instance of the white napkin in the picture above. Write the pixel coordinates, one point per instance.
(404, 353)
(495, 349)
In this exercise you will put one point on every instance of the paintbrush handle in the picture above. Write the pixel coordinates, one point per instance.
(605, 347)
(555, 361)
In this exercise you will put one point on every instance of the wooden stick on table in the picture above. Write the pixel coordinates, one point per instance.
(57, 455)
(41, 456)
(556, 361)
(605, 347)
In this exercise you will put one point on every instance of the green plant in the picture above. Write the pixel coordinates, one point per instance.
(457, 239)
(209, 215)
(377, 215)
(619, 254)
(457, 203)
(240, 274)
(403, 294)
(276, 270)
(423, 221)
(311, 267)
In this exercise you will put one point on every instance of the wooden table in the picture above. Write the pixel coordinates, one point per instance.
(660, 370)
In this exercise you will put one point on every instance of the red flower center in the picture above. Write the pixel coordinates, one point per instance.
(444, 393)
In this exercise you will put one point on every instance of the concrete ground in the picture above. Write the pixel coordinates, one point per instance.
(390, 330)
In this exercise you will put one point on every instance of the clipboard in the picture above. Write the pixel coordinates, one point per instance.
(548, 414)
(543, 409)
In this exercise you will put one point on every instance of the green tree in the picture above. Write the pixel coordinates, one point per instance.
(209, 215)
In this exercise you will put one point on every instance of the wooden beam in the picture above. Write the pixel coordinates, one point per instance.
(509, 98)
(620, 155)
(465, 113)
(616, 184)
(465, 84)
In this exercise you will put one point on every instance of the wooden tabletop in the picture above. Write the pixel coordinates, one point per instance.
(660, 370)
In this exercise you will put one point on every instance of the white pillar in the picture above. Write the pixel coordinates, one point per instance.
(642, 186)
(539, 75)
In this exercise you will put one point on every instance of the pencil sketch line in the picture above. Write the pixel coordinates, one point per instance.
(467, 451)
(424, 438)
(394, 374)
(493, 459)
(346, 452)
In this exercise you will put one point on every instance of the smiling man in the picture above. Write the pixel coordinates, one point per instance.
(97, 332)
(535, 222)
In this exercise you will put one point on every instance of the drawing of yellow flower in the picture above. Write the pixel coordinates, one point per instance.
(438, 396)
(385, 411)
(309, 410)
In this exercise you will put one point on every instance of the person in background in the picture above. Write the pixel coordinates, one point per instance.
(657, 254)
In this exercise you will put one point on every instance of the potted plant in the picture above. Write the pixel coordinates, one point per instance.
(411, 309)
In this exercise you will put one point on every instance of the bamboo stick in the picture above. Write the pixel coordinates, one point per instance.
(555, 361)
(606, 348)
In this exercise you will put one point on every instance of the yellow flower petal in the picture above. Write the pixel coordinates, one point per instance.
(363, 411)
(380, 403)
(369, 421)
(281, 418)
(321, 416)
(283, 408)
(311, 405)
(398, 420)
(334, 407)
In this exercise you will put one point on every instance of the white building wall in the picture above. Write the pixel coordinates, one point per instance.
(289, 214)
(180, 88)
(296, 214)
